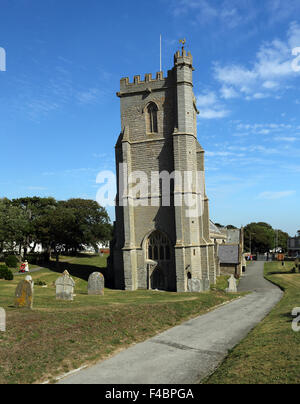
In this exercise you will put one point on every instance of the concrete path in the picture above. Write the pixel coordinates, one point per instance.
(28, 273)
(191, 351)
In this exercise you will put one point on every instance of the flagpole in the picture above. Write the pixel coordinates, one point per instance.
(160, 56)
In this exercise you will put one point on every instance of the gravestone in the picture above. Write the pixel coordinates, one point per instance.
(96, 284)
(2, 320)
(195, 285)
(24, 295)
(28, 278)
(65, 287)
(232, 288)
(198, 285)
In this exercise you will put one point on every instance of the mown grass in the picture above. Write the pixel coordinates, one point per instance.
(271, 352)
(56, 337)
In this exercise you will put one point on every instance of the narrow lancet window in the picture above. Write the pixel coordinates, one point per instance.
(152, 118)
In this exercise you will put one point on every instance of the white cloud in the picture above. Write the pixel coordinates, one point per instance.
(270, 84)
(207, 99)
(89, 96)
(285, 139)
(228, 13)
(270, 71)
(275, 195)
(228, 93)
(210, 106)
(266, 128)
(213, 114)
(219, 154)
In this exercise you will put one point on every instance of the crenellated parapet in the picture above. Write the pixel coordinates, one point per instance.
(183, 58)
(148, 84)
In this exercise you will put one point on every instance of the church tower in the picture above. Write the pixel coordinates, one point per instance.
(161, 241)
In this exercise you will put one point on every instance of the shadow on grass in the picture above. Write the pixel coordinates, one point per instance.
(288, 316)
(283, 273)
(79, 271)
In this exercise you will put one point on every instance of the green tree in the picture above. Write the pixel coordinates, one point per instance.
(261, 237)
(34, 209)
(13, 225)
(92, 224)
(74, 223)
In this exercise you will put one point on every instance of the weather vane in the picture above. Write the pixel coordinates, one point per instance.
(183, 42)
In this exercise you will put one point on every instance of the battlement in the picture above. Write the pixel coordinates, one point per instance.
(183, 57)
(159, 81)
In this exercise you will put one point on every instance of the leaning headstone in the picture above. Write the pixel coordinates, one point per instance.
(232, 288)
(65, 287)
(96, 284)
(24, 295)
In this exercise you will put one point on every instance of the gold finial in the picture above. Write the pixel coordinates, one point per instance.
(183, 42)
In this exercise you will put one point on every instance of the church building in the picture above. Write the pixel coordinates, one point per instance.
(159, 245)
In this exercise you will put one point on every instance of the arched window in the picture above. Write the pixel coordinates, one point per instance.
(159, 247)
(151, 118)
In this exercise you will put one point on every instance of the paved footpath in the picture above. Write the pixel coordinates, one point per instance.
(191, 351)
(28, 273)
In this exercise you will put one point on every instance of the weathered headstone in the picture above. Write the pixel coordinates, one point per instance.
(28, 278)
(194, 285)
(232, 288)
(24, 295)
(96, 284)
(2, 320)
(65, 287)
(198, 285)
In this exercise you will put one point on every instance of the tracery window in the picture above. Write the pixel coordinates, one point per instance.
(151, 118)
(159, 247)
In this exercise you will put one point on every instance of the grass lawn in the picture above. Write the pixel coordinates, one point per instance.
(56, 337)
(271, 352)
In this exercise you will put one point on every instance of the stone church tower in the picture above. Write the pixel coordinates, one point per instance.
(158, 246)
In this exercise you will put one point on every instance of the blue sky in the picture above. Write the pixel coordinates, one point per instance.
(59, 114)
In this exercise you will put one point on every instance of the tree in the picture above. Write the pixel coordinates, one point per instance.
(92, 224)
(74, 223)
(263, 237)
(231, 227)
(13, 225)
(34, 209)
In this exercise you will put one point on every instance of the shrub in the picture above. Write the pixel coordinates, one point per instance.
(9, 276)
(3, 271)
(38, 282)
(11, 261)
(6, 273)
(35, 258)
